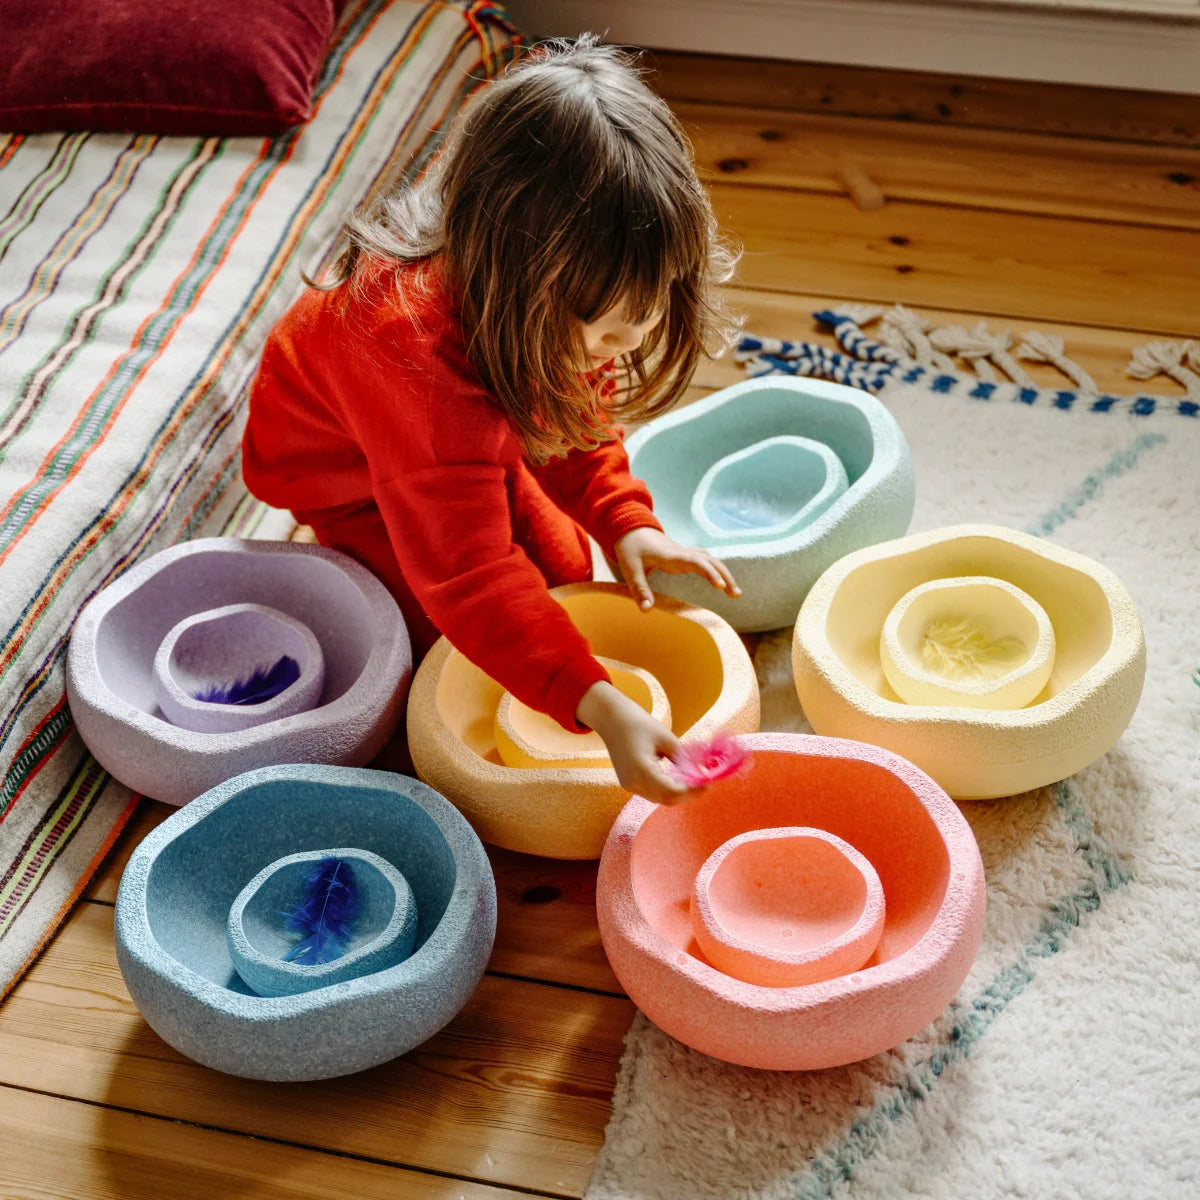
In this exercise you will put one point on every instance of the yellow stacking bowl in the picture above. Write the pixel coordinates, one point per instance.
(995, 661)
(525, 783)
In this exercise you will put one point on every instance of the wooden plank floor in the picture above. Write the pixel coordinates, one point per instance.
(1056, 208)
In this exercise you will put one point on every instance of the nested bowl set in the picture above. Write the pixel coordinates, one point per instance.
(817, 909)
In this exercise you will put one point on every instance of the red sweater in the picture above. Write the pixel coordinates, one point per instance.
(368, 416)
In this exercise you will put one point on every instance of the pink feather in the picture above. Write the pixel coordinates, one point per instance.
(702, 763)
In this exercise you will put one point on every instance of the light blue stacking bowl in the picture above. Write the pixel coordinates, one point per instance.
(175, 898)
(730, 473)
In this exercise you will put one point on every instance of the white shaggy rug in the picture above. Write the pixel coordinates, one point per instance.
(1069, 1064)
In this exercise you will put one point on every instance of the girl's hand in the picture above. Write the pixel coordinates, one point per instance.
(636, 743)
(646, 549)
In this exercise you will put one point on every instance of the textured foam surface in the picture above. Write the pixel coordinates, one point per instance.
(177, 891)
(891, 813)
(566, 812)
(382, 933)
(675, 453)
(1085, 705)
(110, 684)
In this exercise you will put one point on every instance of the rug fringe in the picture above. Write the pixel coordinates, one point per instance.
(908, 347)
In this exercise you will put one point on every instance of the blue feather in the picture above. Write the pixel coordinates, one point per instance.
(326, 914)
(263, 684)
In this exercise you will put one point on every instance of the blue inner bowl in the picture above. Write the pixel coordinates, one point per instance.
(265, 924)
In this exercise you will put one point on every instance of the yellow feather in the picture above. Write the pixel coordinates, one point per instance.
(956, 649)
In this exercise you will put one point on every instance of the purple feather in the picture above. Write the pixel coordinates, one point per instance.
(326, 914)
(263, 684)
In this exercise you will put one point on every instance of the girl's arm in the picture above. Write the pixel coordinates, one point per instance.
(452, 535)
(451, 532)
(595, 488)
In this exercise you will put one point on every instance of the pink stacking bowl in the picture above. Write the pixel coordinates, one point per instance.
(880, 806)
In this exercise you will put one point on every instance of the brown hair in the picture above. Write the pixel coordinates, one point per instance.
(566, 188)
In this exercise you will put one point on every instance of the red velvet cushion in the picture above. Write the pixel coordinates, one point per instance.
(161, 66)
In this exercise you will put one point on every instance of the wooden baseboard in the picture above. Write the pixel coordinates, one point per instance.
(1150, 45)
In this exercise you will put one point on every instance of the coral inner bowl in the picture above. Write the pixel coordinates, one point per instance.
(844, 680)
(768, 490)
(215, 650)
(566, 812)
(974, 641)
(782, 907)
(893, 815)
(179, 890)
(381, 933)
(114, 688)
(531, 740)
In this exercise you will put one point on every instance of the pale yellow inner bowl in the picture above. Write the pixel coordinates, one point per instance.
(530, 739)
(1074, 602)
(975, 641)
(679, 653)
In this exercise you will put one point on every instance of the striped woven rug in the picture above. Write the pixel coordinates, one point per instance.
(138, 278)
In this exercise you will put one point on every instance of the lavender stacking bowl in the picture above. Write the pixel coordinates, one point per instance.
(364, 647)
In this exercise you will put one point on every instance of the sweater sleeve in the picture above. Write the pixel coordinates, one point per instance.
(451, 530)
(595, 487)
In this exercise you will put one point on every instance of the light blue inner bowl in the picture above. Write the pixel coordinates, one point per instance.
(259, 938)
(775, 569)
(767, 491)
(182, 880)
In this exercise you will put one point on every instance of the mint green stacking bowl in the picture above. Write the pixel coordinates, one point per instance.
(780, 478)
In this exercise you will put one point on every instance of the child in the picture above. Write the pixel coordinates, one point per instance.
(441, 409)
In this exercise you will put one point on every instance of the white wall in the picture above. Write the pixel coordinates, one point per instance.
(1151, 44)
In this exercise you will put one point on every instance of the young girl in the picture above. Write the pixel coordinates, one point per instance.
(442, 409)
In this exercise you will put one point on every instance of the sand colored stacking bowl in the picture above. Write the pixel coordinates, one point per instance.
(205, 590)
(565, 812)
(1088, 696)
(532, 740)
(182, 881)
(779, 477)
(781, 907)
(918, 845)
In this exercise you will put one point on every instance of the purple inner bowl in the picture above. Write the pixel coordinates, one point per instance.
(225, 646)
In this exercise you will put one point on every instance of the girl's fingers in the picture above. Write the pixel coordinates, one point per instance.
(704, 565)
(731, 586)
(665, 790)
(718, 574)
(635, 579)
(668, 744)
(690, 562)
(700, 562)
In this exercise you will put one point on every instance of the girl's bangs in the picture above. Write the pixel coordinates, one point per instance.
(635, 267)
